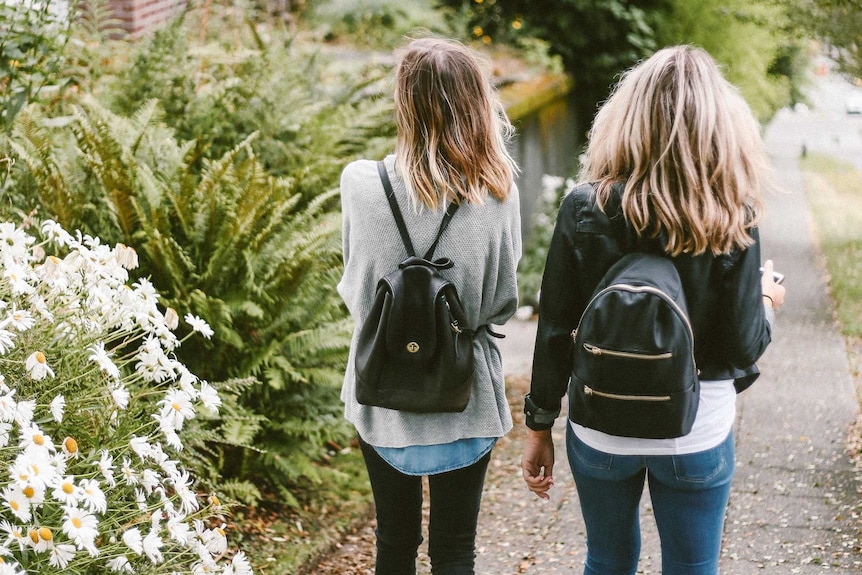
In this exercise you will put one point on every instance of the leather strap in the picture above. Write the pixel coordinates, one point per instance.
(399, 219)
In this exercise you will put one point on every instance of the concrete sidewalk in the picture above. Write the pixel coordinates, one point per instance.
(796, 502)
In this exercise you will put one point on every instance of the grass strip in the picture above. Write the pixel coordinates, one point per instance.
(834, 191)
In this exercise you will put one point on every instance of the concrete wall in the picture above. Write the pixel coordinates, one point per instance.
(547, 142)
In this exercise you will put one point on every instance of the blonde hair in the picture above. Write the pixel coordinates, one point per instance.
(689, 150)
(452, 129)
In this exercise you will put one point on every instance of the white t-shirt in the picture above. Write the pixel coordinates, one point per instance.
(716, 413)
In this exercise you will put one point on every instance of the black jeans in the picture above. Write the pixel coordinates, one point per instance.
(455, 499)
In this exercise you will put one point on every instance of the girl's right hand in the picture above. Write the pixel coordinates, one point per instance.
(772, 292)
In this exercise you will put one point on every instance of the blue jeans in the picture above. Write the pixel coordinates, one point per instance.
(689, 496)
(455, 499)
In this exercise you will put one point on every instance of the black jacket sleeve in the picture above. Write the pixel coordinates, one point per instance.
(560, 306)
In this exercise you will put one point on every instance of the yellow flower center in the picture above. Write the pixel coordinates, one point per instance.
(39, 439)
(29, 492)
(68, 488)
(70, 445)
(45, 533)
(34, 536)
(220, 531)
(176, 406)
(215, 501)
(40, 357)
(14, 505)
(76, 522)
(54, 259)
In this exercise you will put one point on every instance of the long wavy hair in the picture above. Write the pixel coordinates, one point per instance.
(689, 150)
(452, 129)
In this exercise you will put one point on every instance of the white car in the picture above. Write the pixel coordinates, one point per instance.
(853, 104)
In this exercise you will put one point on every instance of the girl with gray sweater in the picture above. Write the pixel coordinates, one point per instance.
(451, 147)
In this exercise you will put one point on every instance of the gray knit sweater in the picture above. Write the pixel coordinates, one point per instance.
(484, 242)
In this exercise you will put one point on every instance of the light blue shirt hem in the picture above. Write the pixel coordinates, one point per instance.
(438, 458)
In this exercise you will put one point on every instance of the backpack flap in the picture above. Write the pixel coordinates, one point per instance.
(411, 334)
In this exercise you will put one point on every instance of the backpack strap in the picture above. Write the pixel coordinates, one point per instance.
(399, 219)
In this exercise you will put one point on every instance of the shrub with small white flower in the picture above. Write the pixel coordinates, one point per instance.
(92, 407)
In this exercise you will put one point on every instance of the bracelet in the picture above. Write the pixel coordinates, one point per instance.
(771, 301)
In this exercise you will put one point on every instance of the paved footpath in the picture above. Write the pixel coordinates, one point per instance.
(796, 502)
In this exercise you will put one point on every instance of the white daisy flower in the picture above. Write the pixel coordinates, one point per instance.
(66, 492)
(37, 366)
(121, 396)
(34, 494)
(172, 318)
(209, 397)
(14, 534)
(20, 319)
(61, 555)
(32, 436)
(81, 527)
(176, 408)
(129, 472)
(58, 406)
(7, 341)
(141, 446)
(141, 499)
(14, 239)
(24, 411)
(171, 437)
(126, 256)
(103, 359)
(5, 429)
(179, 530)
(93, 497)
(70, 447)
(216, 540)
(241, 565)
(150, 480)
(134, 540)
(42, 539)
(106, 467)
(55, 232)
(206, 566)
(8, 406)
(188, 498)
(152, 546)
(120, 565)
(34, 467)
(18, 276)
(199, 325)
(17, 502)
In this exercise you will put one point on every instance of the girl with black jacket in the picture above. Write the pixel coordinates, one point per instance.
(675, 164)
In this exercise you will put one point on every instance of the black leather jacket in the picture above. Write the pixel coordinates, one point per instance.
(723, 294)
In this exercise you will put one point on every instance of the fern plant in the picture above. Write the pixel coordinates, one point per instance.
(233, 244)
(308, 115)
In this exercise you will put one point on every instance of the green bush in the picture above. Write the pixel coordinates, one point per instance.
(233, 245)
(308, 117)
(31, 54)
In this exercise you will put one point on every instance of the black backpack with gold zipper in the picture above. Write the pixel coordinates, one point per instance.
(633, 372)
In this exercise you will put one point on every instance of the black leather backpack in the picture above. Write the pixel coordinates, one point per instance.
(633, 371)
(415, 352)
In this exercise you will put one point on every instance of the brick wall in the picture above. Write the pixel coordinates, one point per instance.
(141, 16)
